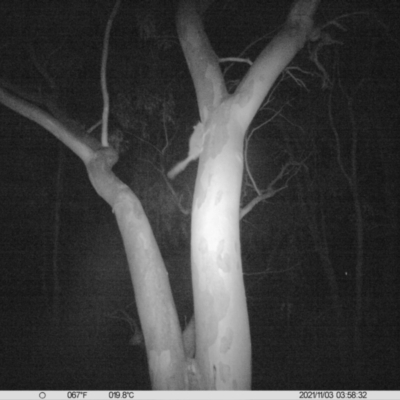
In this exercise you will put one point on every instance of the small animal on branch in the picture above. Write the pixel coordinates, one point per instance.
(196, 143)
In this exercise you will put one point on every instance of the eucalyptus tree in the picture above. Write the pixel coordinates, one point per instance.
(214, 352)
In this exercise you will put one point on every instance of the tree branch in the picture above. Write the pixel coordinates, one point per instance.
(274, 58)
(106, 100)
(83, 146)
(290, 169)
(200, 57)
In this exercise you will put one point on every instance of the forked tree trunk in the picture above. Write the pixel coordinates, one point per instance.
(223, 349)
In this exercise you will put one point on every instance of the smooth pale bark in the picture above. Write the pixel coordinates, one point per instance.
(158, 317)
(223, 346)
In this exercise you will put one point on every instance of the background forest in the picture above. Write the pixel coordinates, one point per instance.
(320, 253)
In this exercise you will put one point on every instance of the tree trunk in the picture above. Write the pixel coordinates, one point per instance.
(223, 349)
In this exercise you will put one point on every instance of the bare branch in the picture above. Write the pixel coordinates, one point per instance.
(106, 100)
(93, 127)
(246, 144)
(165, 129)
(325, 40)
(83, 146)
(253, 43)
(297, 81)
(289, 170)
(337, 139)
(41, 69)
(200, 57)
(21, 93)
(275, 57)
(236, 59)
